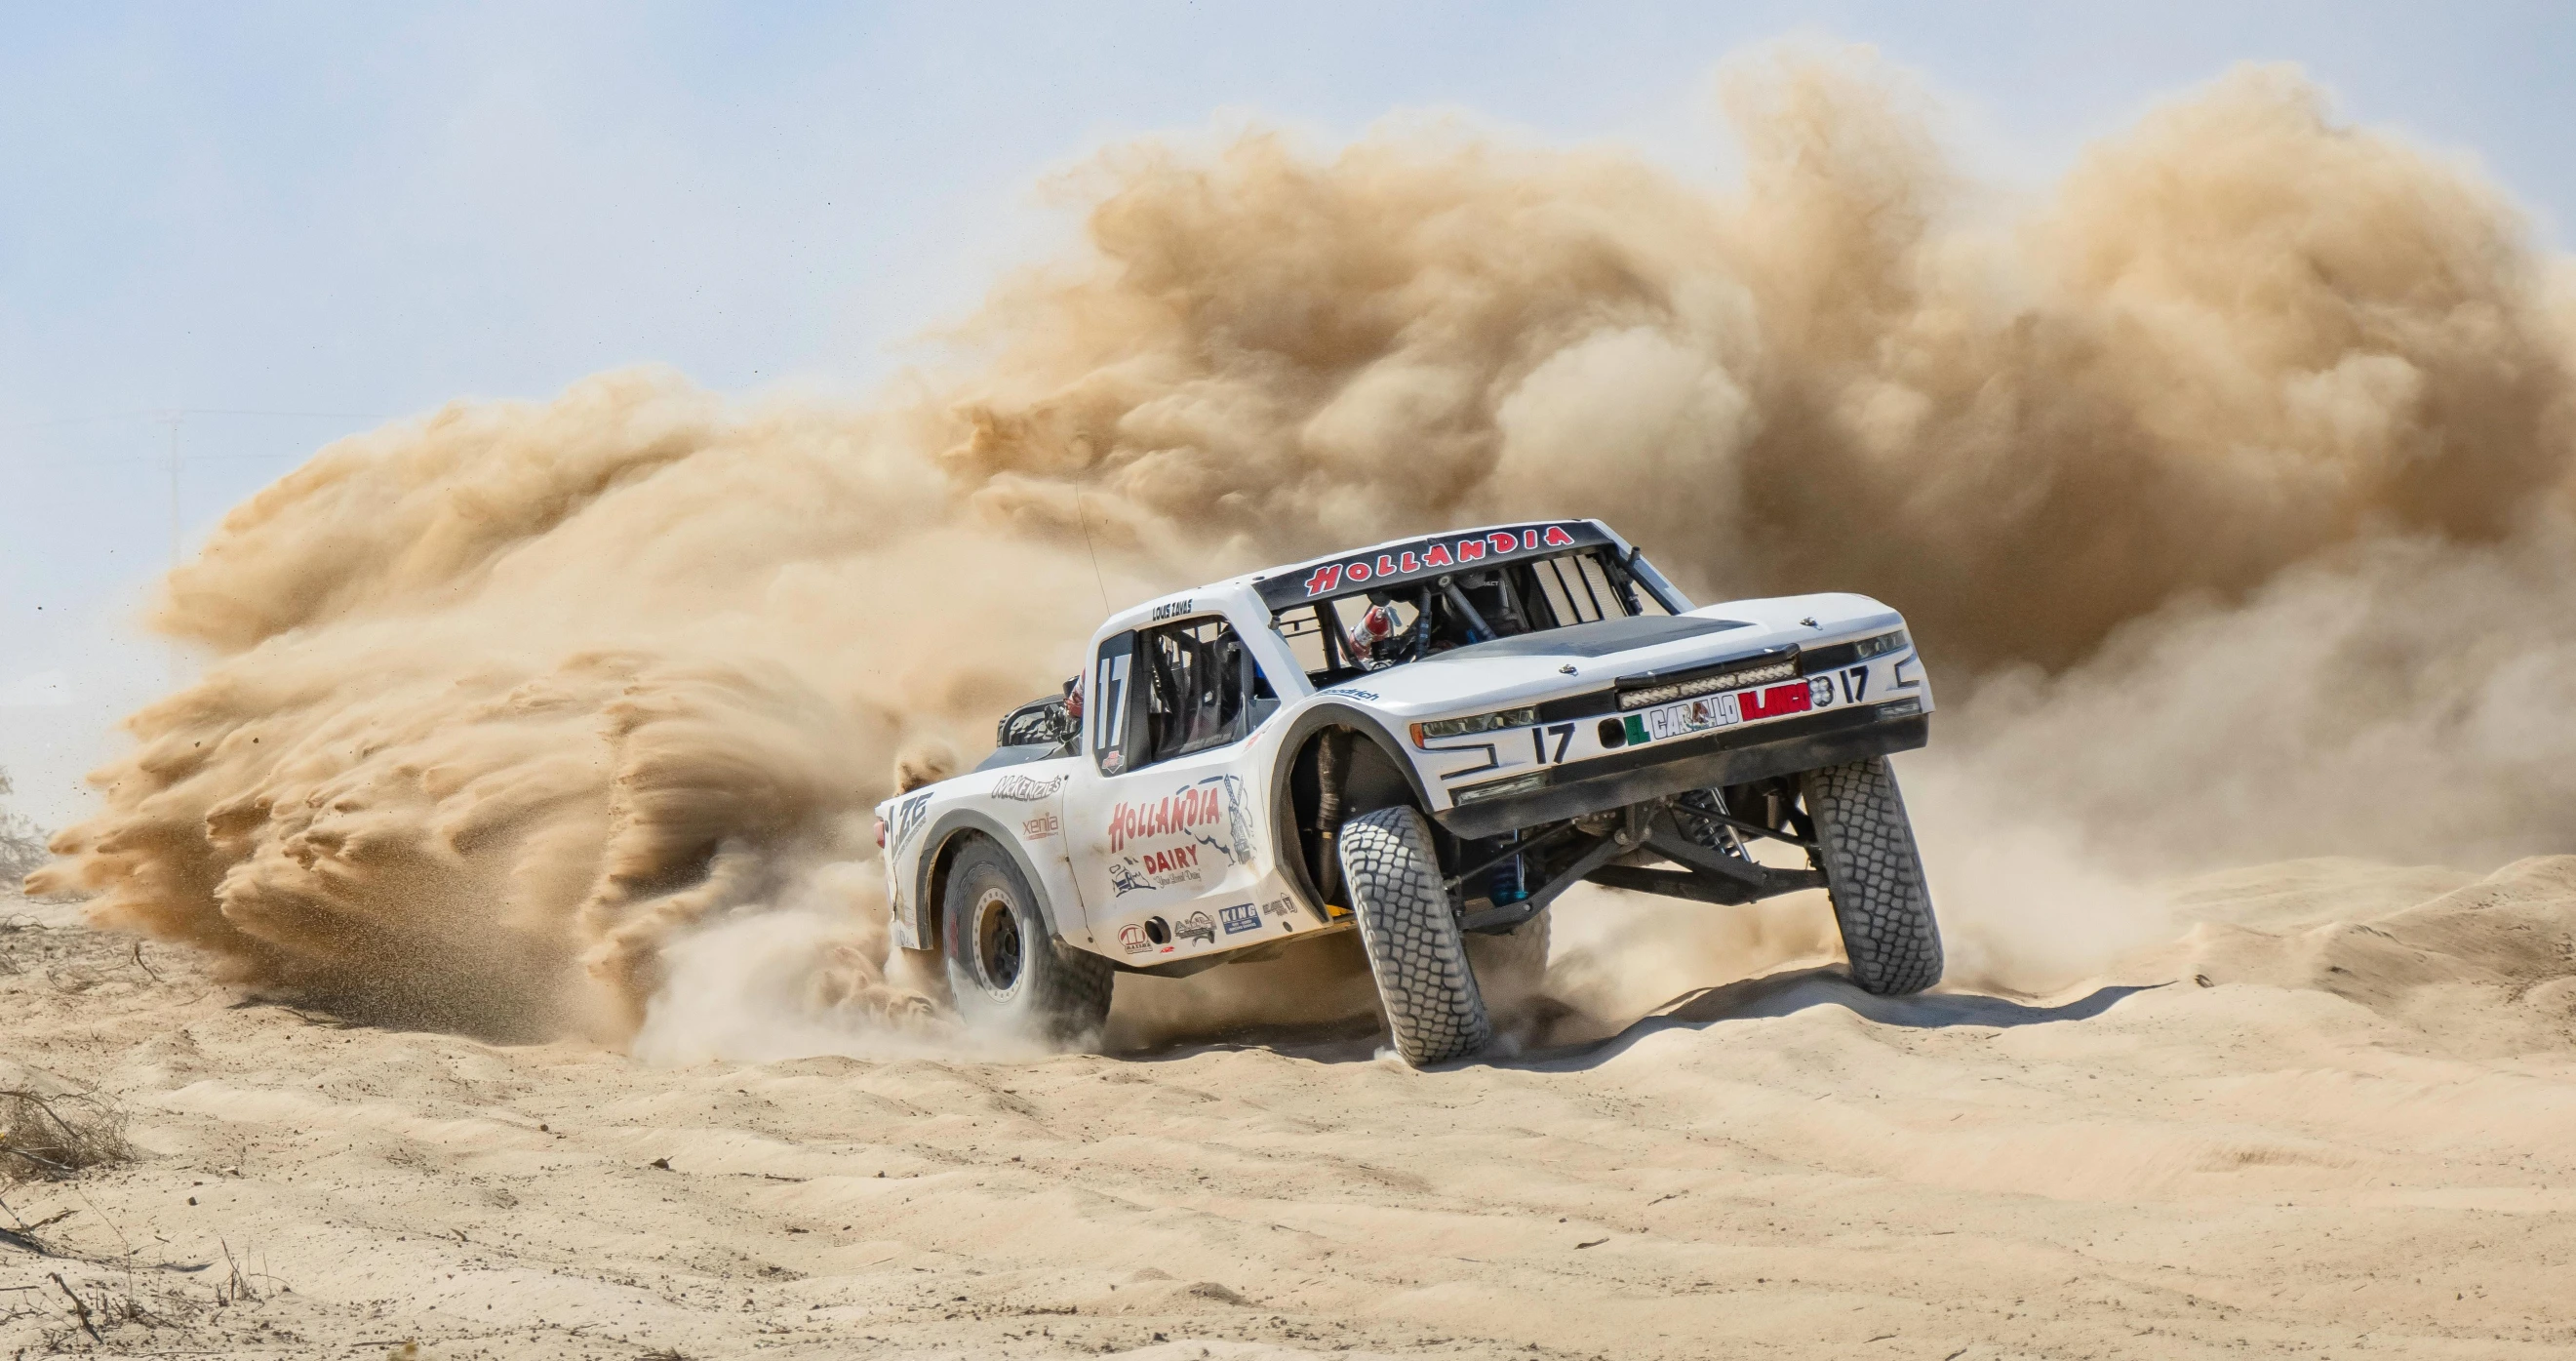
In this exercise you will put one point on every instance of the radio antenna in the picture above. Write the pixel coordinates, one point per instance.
(1084, 519)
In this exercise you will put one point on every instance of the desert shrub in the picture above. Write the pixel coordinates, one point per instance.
(51, 1135)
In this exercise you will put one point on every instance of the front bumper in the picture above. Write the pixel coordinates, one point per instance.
(1730, 756)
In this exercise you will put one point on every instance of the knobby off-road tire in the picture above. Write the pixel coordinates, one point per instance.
(1510, 966)
(1874, 876)
(1415, 949)
(1005, 972)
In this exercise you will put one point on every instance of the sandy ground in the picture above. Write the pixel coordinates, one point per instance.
(2335, 1116)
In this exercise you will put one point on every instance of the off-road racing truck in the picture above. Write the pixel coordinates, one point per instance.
(1429, 741)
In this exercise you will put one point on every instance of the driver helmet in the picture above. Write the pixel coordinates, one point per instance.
(1376, 627)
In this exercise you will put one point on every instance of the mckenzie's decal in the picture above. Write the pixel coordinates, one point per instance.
(1022, 789)
(1425, 558)
(1197, 926)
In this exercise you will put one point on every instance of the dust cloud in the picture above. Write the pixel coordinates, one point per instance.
(2224, 481)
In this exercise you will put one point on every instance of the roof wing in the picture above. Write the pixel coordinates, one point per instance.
(1424, 559)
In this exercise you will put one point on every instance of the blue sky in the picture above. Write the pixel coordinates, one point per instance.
(288, 220)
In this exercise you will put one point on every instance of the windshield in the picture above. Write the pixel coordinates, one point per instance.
(1363, 630)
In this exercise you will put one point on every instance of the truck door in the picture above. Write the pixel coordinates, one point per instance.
(1169, 838)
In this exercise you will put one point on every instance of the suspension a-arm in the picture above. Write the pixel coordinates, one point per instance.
(1705, 875)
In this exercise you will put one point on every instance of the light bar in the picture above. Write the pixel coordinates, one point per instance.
(1707, 685)
(1463, 727)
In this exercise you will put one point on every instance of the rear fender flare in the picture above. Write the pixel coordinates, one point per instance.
(939, 845)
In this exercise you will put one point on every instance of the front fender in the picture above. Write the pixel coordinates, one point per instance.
(1283, 804)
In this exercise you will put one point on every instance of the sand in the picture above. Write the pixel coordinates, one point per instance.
(2335, 1115)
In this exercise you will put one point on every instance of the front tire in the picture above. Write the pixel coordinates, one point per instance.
(1874, 876)
(1414, 947)
(1005, 971)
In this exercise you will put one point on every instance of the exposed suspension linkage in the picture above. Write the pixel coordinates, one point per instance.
(1528, 847)
(1703, 806)
(1645, 831)
(1332, 767)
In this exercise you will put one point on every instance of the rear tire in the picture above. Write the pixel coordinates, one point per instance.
(1874, 876)
(1005, 971)
(1415, 950)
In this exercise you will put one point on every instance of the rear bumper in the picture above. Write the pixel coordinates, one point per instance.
(1833, 738)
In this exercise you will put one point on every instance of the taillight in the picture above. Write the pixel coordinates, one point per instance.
(880, 833)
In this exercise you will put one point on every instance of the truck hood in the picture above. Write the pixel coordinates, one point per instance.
(1585, 657)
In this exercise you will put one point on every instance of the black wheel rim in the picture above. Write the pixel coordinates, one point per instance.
(998, 947)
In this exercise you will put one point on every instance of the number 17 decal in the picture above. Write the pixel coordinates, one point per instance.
(1855, 684)
(1562, 732)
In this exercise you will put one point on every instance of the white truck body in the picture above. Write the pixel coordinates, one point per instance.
(1168, 860)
